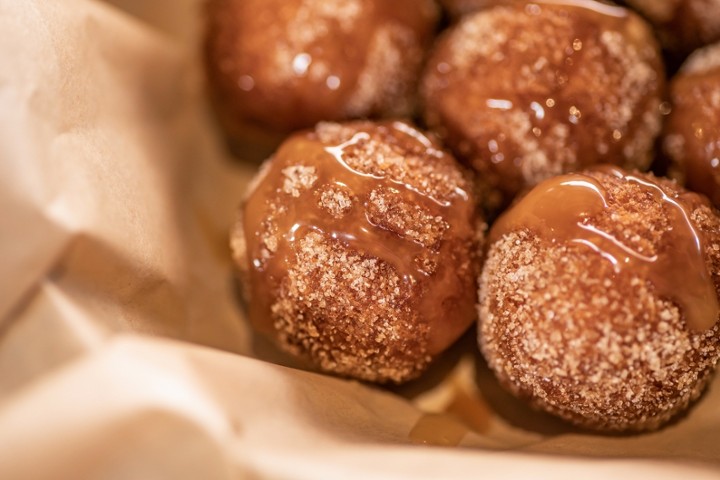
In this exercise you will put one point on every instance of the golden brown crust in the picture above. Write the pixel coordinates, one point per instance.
(361, 249)
(524, 92)
(605, 350)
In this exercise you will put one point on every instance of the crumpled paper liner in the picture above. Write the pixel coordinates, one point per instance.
(116, 197)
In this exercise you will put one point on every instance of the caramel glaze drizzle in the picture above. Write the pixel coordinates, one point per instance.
(354, 229)
(561, 210)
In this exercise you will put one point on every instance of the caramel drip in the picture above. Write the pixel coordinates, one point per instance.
(437, 429)
(471, 409)
(354, 229)
(562, 210)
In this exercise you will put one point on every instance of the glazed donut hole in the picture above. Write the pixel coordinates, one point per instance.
(599, 298)
(565, 85)
(275, 66)
(358, 244)
(691, 138)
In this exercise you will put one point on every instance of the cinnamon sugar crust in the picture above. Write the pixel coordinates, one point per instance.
(359, 249)
(348, 313)
(604, 350)
(565, 85)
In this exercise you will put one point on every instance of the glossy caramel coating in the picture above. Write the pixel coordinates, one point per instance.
(282, 65)
(599, 298)
(525, 92)
(691, 138)
(358, 244)
(681, 25)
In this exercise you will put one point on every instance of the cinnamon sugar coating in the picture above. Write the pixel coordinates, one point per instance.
(691, 138)
(602, 346)
(281, 65)
(358, 248)
(526, 91)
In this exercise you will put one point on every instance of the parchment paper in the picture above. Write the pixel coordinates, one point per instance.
(123, 349)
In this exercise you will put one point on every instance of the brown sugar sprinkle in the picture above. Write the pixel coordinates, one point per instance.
(359, 240)
(418, 162)
(336, 200)
(563, 329)
(349, 314)
(298, 178)
(387, 209)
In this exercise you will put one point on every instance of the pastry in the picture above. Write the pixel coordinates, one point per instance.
(526, 91)
(358, 248)
(599, 298)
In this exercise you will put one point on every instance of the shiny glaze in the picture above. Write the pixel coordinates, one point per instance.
(437, 429)
(287, 64)
(355, 230)
(475, 118)
(562, 210)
